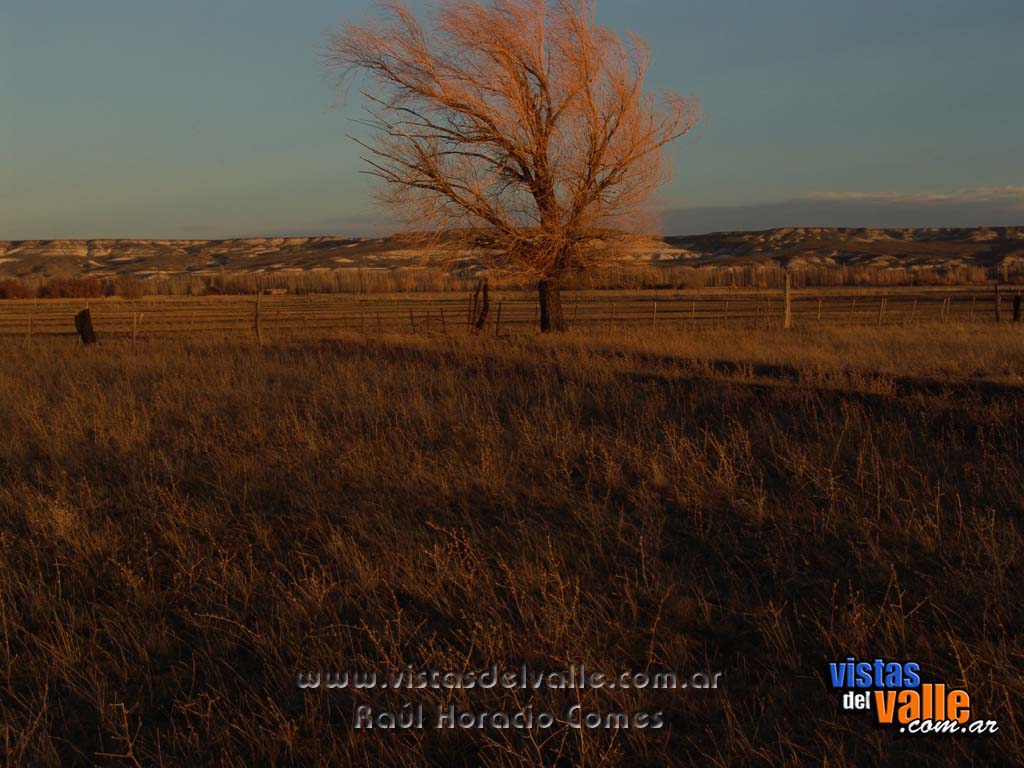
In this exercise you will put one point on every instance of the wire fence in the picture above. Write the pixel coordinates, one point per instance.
(510, 312)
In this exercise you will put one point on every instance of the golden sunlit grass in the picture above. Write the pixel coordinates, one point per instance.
(188, 526)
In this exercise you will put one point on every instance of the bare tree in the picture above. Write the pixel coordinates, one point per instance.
(523, 119)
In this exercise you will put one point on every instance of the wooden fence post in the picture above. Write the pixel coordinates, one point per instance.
(191, 322)
(31, 320)
(485, 306)
(881, 310)
(853, 306)
(787, 312)
(819, 309)
(136, 321)
(256, 318)
(654, 315)
(999, 309)
(497, 321)
(83, 324)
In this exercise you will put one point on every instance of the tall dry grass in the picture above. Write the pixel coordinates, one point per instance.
(186, 527)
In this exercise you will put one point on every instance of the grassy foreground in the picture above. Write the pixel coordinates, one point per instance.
(183, 529)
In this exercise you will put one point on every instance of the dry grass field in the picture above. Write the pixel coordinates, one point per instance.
(188, 523)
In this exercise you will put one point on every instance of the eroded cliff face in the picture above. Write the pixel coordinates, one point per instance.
(793, 246)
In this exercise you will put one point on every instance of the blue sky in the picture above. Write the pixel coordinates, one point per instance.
(214, 118)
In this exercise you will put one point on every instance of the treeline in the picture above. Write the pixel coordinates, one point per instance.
(438, 280)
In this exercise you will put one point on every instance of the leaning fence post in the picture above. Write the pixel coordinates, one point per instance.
(83, 324)
(787, 312)
(485, 307)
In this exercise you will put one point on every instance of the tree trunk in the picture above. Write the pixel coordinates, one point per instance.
(550, 295)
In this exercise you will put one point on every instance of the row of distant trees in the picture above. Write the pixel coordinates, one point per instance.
(433, 279)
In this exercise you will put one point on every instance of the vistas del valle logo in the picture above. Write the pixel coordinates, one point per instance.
(894, 693)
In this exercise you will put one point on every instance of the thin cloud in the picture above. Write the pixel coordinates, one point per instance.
(1011, 195)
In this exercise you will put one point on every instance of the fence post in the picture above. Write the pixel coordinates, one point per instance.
(654, 315)
(485, 306)
(819, 309)
(256, 318)
(787, 315)
(853, 306)
(191, 322)
(497, 321)
(444, 326)
(136, 319)
(693, 310)
(412, 322)
(83, 324)
(999, 310)
(881, 310)
(31, 320)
